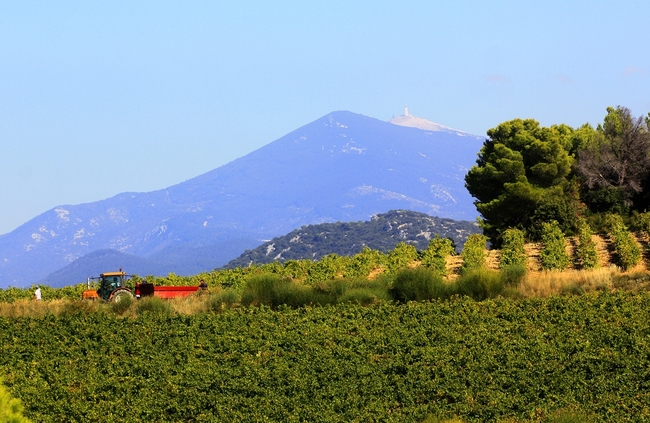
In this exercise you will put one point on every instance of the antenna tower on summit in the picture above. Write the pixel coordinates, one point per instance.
(406, 111)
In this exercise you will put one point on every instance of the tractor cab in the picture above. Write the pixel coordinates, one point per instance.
(109, 282)
(112, 287)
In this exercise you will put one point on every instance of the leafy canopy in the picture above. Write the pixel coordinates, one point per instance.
(521, 177)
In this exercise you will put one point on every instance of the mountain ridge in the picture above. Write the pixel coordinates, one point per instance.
(382, 232)
(340, 167)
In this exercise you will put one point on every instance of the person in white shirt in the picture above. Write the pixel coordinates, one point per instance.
(37, 294)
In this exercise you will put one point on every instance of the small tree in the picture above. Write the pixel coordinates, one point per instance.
(435, 254)
(628, 252)
(586, 255)
(512, 249)
(473, 253)
(553, 253)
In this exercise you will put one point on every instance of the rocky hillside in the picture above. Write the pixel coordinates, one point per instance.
(382, 232)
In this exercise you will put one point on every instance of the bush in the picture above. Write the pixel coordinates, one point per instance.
(401, 256)
(364, 295)
(417, 285)
(627, 250)
(473, 253)
(553, 253)
(586, 256)
(224, 300)
(120, 307)
(274, 291)
(152, 305)
(361, 264)
(512, 249)
(435, 254)
(513, 275)
(480, 284)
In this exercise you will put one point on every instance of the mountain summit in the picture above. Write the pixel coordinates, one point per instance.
(415, 122)
(341, 167)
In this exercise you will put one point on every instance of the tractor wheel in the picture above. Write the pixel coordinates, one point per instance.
(120, 295)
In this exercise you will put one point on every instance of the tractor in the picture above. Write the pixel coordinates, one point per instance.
(112, 287)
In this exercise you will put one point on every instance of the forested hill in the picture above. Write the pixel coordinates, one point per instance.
(381, 233)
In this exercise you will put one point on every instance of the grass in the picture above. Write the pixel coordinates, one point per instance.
(550, 282)
(411, 284)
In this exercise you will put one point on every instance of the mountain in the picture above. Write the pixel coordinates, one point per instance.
(181, 259)
(382, 232)
(415, 122)
(341, 167)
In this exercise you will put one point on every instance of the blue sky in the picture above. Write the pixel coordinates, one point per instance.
(102, 98)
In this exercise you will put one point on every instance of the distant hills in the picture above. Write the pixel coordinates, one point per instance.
(382, 232)
(342, 167)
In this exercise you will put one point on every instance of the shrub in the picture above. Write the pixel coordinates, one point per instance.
(512, 249)
(553, 253)
(361, 264)
(401, 256)
(435, 254)
(364, 295)
(627, 250)
(153, 305)
(480, 284)
(586, 256)
(274, 291)
(513, 275)
(223, 300)
(474, 252)
(417, 285)
(120, 307)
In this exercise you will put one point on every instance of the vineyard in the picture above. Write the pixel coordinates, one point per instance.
(401, 336)
(480, 361)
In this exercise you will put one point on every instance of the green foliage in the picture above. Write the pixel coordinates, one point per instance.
(497, 360)
(435, 254)
(271, 290)
(381, 233)
(512, 249)
(223, 300)
(521, 177)
(513, 274)
(153, 305)
(120, 307)
(628, 252)
(11, 409)
(570, 416)
(418, 284)
(480, 284)
(401, 256)
(615, 163)
(362, 264)
(473, 253)
(586, 256)
(553, 254)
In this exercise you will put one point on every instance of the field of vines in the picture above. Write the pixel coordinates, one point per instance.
(351, 345)
(494, 360)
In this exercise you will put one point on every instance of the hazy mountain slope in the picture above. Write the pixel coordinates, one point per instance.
(178, 259)
(341, 167)
(382, 232)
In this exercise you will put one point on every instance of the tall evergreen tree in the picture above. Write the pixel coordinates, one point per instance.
(522, 178)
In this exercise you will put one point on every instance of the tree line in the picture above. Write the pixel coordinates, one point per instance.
(527, 175)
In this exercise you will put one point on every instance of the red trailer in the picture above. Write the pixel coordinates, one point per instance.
(112, 288)
(147, 289)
